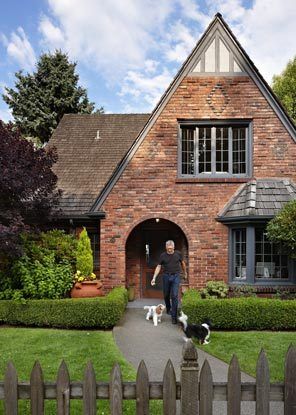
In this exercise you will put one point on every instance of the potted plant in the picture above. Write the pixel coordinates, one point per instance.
(131, 292)
(86, 283)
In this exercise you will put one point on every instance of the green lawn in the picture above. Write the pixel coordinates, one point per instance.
(247, 346)
(25, 345)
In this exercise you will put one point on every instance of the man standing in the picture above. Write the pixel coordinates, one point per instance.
(172, 261)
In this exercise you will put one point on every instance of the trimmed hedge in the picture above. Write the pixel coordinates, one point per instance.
(99, 312)
(241, 313)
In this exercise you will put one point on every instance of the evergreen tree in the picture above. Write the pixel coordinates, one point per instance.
(84, 257)
(27, 188)
(40, 99)
(284, 86)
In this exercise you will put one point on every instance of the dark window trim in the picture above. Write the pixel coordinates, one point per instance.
(248, 123)
(95, 230)
(250, 263)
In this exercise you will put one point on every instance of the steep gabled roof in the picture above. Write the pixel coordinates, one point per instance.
(262, 198)
(246, 66)
(89, 149)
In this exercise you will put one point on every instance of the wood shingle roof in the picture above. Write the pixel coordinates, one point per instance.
(86, 163)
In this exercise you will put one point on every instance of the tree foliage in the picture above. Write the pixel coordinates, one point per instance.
(282, 228)
(27, 187)
(284, 86)
(40, 99)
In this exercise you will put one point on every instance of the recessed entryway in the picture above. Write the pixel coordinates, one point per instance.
(143, 247)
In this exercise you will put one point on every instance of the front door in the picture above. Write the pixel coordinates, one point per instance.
(153, 245)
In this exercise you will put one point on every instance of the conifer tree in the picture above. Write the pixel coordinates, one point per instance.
(39, 100)
(84, 257)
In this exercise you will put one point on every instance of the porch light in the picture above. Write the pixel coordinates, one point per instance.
(157, 220)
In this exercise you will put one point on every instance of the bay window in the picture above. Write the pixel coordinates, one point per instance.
(256, 260)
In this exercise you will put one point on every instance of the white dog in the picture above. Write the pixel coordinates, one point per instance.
(154, 311)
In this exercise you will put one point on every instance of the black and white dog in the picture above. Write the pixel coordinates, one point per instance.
(198, 331)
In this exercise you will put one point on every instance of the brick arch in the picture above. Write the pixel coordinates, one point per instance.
(178, 223)
(138, 269)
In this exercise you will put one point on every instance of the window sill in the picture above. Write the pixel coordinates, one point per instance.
(213, 180)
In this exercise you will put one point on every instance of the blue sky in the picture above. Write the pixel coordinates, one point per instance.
(128, 51)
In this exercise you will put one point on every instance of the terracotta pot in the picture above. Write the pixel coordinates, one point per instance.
(87, 289)
(131, 293)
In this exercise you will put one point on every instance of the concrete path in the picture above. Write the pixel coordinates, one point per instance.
(138, 340)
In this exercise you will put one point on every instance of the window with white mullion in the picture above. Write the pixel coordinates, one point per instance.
(213, 150)
(204, 150)
(216, 149)
(187, 152)
(222, 144)
(240, 256)
(196, 150)
(230, 150)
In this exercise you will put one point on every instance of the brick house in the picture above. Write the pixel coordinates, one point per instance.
(212, 164)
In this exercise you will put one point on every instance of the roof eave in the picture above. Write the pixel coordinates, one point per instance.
(228, 220)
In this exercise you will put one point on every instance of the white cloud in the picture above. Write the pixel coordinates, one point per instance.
(53, 34)
(114, 36)
(144, 92)
(181, 42)
(269, 33)
(135, 44)
(190, 9)
(20, 49)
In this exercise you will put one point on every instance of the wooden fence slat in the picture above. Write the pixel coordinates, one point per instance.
(234, 388)
(89, 391)
(116, 390)
(142, 390)
(206, 390)
(262, 385)
(63, 390)
(37, 390)
(10, 390)
(290, 382)
(189, 380)
(169, 390)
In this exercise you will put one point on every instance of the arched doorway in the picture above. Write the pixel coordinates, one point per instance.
(143, 248)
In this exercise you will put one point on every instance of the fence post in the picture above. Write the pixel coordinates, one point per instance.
(189, 380)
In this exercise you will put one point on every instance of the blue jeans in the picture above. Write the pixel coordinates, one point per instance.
(171, 284)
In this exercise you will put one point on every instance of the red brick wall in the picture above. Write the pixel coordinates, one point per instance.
(149, 186)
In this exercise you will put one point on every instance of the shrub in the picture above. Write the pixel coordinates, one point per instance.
(284, 294)
(99, 312)
(84, 256)
(45, 270)
(46, 279)
(61, 244)
(243, 291)
(242, 313)
(214, 289)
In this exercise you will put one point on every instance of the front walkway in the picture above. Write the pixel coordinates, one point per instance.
(138, 340)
